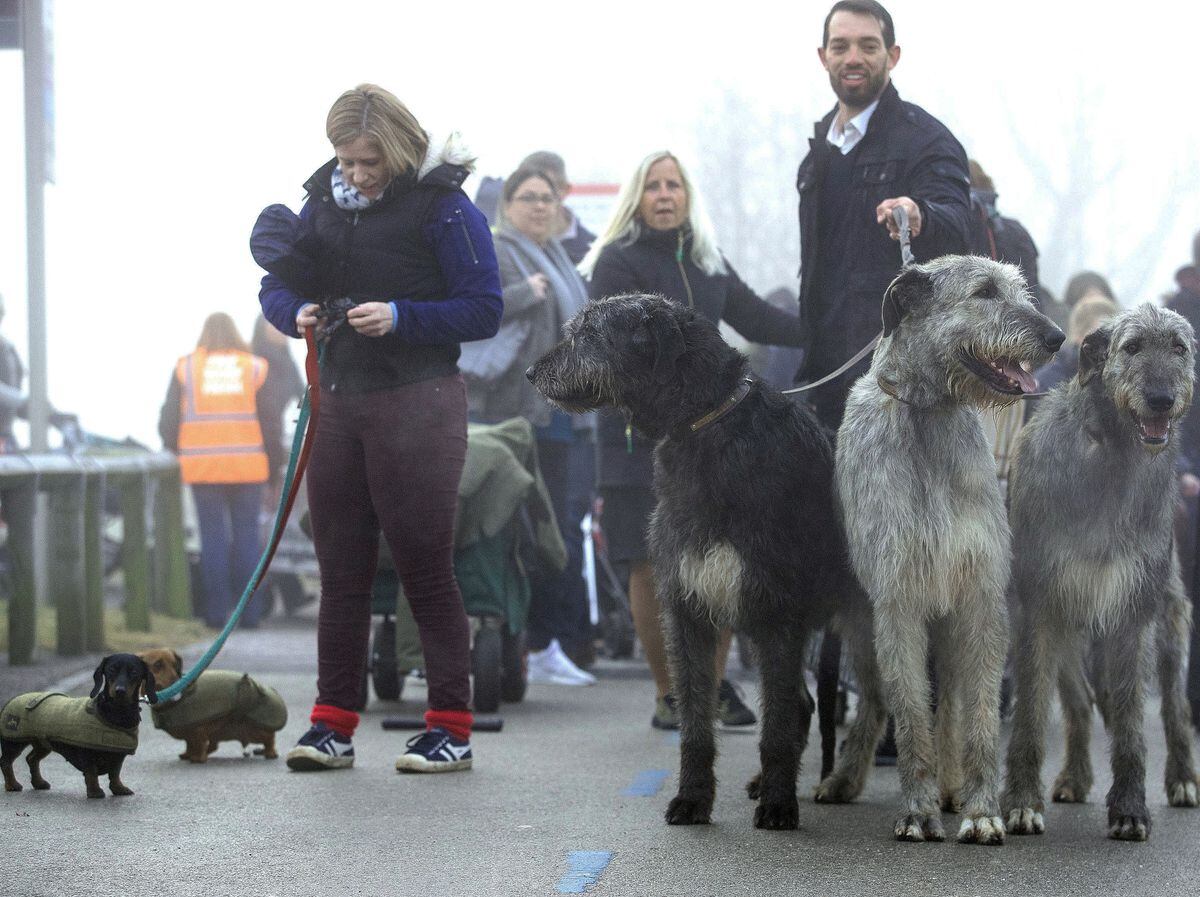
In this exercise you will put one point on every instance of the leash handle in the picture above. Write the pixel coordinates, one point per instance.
(302, 442)
(900, 214)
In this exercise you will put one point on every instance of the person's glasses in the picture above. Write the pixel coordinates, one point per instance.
(529, 199)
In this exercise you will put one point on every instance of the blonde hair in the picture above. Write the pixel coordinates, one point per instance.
(625, 227)
(220, 334)
(1088, 314)
(372, 112)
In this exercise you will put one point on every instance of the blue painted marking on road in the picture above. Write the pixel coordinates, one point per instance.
(585, 867)
(647, 783)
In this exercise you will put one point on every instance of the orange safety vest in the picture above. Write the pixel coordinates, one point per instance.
(220, 440)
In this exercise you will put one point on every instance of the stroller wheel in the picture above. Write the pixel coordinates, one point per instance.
(486, 660)
(384, 674)
(513, 672)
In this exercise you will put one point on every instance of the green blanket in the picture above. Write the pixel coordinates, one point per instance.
(219, 693)
(45, 716)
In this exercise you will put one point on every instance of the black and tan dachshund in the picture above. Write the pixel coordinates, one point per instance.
(94, 734)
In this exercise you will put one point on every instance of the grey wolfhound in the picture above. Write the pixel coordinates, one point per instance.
(744, 533)
(1092, 498)
(925, 522)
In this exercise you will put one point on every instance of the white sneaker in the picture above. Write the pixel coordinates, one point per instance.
(552, 667)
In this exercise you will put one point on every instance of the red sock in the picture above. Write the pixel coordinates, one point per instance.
(344, 722)
(456, 722)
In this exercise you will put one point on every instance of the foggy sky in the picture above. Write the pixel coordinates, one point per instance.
(177, 124)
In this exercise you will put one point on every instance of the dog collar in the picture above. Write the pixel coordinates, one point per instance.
(725, 407)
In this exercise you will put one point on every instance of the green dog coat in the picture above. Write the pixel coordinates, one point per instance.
(221, 693)
(41, 716)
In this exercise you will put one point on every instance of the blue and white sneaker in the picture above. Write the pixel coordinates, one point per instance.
(435, 751)
(321, 748)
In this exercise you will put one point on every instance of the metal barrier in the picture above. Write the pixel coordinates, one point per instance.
(75, 487)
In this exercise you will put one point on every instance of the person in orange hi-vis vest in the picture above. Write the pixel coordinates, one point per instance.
(211, 419)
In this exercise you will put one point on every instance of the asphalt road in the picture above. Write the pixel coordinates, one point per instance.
(567, 798)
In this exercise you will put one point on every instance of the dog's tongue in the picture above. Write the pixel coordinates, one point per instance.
(1156, 427)
(1015, 372)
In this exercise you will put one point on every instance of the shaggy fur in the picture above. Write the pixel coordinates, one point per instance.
(119, 681)
(928, 535)
(1093, 494)
(744, 534)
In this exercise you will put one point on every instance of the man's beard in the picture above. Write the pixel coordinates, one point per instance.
(862, 96)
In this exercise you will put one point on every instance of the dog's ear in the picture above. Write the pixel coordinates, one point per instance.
(661, 337)
(148, 683)
(902, 295)
(1094, 353)
(98, 677)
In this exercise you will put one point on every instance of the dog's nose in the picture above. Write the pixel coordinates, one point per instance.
(1053, 339)
(1160, 402)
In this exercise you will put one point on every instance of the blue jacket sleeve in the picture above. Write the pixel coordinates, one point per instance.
(473, 305)
(279, 304)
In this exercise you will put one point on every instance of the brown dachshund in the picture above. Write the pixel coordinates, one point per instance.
(219, 706)
(94, 734)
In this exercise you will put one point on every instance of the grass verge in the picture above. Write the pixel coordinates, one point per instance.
(164, 631)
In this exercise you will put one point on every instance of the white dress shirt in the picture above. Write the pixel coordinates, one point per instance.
(846, 137)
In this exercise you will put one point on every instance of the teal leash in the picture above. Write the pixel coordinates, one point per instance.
(296, 461)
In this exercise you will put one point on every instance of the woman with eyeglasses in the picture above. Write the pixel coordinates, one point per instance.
(541, 290)
(660, 240)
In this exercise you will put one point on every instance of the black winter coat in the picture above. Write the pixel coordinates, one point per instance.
(660, 262)
(906, 152)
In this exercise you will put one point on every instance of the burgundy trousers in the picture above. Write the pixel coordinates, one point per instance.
(390, 460)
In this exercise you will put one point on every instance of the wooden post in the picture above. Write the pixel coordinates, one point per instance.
(65, 578)
(172, 580)
(135, 554)
(19, 500)
(93, 560)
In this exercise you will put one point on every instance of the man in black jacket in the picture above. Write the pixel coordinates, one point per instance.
(872, 153)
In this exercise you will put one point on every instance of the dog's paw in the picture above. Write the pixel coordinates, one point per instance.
(1134, 827)
(97, 794)
(950, 802)
(778, 816)
(1070, 789)
(1025, 821)
(754, 786)
(917, 827)
(981, 830)
(1183, 794)
(13, 787)
(121, 790)
(835, 790)
(686, 811)
(40, 784)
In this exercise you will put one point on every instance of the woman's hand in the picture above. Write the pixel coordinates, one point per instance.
(307, 316)
(371, 318)
(540, 284)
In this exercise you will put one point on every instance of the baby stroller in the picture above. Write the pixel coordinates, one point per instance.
(506, 526)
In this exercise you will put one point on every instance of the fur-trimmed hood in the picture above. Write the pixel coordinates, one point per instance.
(449, 149)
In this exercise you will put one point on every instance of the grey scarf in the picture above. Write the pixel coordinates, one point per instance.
(566, 285)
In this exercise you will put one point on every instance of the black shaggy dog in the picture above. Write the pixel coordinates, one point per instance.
(744, 534)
